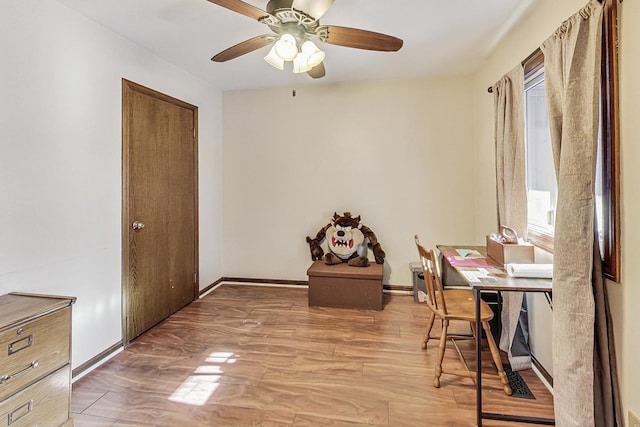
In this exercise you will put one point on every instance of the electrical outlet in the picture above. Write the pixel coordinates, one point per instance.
(634, 421)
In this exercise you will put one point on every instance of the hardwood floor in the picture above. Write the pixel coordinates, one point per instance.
(260, 356)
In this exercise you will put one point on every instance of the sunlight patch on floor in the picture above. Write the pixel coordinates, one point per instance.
(198, 389)
(220, 357)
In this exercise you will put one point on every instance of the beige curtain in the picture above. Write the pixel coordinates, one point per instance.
(512, 201)
(572, 77)
(508, 95)
(606, 391)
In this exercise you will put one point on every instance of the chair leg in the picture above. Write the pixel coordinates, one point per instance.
(441, 349)
(430, 320)
(495, 353)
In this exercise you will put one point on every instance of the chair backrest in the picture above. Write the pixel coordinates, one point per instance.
(435, 296)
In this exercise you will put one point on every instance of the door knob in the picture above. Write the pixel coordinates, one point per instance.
(138, 225)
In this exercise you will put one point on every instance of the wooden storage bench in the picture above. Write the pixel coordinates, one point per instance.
(344, 286)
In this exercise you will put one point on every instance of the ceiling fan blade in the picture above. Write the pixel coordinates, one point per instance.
(314, 8)
(317, 71)
(359, 39)
(242, 8)
(243, 47)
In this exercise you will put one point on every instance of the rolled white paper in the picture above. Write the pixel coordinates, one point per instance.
(537, 271)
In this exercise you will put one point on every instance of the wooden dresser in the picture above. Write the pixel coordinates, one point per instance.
(35, 356)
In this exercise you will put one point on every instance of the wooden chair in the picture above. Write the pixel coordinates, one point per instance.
(454, 304)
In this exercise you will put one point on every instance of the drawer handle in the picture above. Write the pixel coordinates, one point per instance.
(20, 412)
(7, 377)
(20, 344)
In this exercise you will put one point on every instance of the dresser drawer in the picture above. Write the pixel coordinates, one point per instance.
(31, 350)
(45, 403)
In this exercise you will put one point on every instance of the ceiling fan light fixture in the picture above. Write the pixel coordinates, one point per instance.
(286, 47)
(301, 63)
(274, 59)
(293, 22)
(313, 55)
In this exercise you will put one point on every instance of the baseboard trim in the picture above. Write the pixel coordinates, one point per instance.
(266, 281)
(398, 288)
(544, 375)
(96, 361)
(386, 288)
(251, 281)
(210, 287)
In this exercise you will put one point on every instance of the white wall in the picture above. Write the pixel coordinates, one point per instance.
(519, 43)
(399, 154)
(60, 161)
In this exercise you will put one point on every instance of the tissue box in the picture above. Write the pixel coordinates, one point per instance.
(505, 254)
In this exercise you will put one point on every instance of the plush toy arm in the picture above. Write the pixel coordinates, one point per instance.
(316, 250)
(373, 244)
(314, 244)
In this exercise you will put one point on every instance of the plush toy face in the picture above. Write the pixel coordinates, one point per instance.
(344, 241)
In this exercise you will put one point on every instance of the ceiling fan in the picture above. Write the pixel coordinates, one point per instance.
(294, 23)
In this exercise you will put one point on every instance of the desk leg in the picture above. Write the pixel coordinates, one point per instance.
(476, 294)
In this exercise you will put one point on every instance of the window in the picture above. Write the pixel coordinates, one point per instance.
(541, 177)
(610, 225)
(541, 181)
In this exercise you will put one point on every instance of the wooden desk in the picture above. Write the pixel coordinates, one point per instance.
(497, 280)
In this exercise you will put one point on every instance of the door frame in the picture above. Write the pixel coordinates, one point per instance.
(128, 88)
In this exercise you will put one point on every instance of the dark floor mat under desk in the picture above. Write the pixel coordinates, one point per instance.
(518, 385)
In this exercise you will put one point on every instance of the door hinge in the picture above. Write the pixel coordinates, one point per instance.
(194, 132)
(195, 277)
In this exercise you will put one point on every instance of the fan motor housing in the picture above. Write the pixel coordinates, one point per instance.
(282, 15)
(275, 5)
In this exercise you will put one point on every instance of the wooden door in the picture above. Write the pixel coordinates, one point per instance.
(159, 207)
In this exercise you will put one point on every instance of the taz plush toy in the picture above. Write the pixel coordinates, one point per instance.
(347, 241)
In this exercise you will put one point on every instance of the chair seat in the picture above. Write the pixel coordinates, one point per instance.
(461, 306)
(454, 304)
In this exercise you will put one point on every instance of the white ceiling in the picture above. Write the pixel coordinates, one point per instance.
(440, 37)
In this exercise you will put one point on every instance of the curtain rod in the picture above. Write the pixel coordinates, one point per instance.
(524, 61)
(490, 88)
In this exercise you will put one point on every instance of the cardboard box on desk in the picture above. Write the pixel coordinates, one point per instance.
(509, 253)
